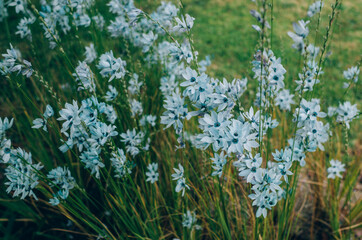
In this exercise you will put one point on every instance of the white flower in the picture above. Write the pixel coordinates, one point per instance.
(219, 162)
(189, 220)
(347, 112)
(152, 174)
(181, 180)
(315, 8)
(184, 25)
(85, 77)
(181, 186)
(19, 5)
(335, 169)
(111, 66)
(70, 114)
(5, 150)
(49, 112)
(5, 125)
(179, 173)
(90, 53)
(352, 74)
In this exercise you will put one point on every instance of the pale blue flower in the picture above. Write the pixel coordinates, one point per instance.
(90, 53)
(152, 174)
(240, 137)
(284, 100)
(218, 162)
(189, 220)
(111, 94)
(249, 169)
(335, 169)
(136, 107)
(184, 25)
(54, 201)
(301, 28)
(347, 112)
(315, 8)
(190, 76)
(352, 73)
(62, 181)
(284, 155)
(218, 121)
(99, 21)
(134, 85)
(3, 11)
(23, 27)
(40, 123)
(119, 27)
(176, 111)
(5, 125)
(313, 51)
(22, 174)
(148, 119)
(284, 170)
(83, 20)
(301, 31)
(85, 77)
(111, 67)
(49, 112)
(5, 150)
(101, 133)
(70, 114)
(92, 161)
(179, 173)
(133, 141)
(121, 166)
(147, 40)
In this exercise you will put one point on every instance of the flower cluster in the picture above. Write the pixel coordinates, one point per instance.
(55, 15)
(189, 220)
(90, 53)
(301, 31)
(121, 165)
(21, 173)
(346, 112)
(181, 180)
(233, 133)
(218, 162)
(85, 77)
(13, 63)
(269, 71)
(315, 8)
(134, 141)
(42, 122)
(110, 66)
(351, 74)
(62, 181)
(239, 135)
(83, 129)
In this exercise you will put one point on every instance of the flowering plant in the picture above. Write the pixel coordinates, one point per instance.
(136, 138)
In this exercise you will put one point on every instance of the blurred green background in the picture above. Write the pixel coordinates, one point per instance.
(223, 30)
